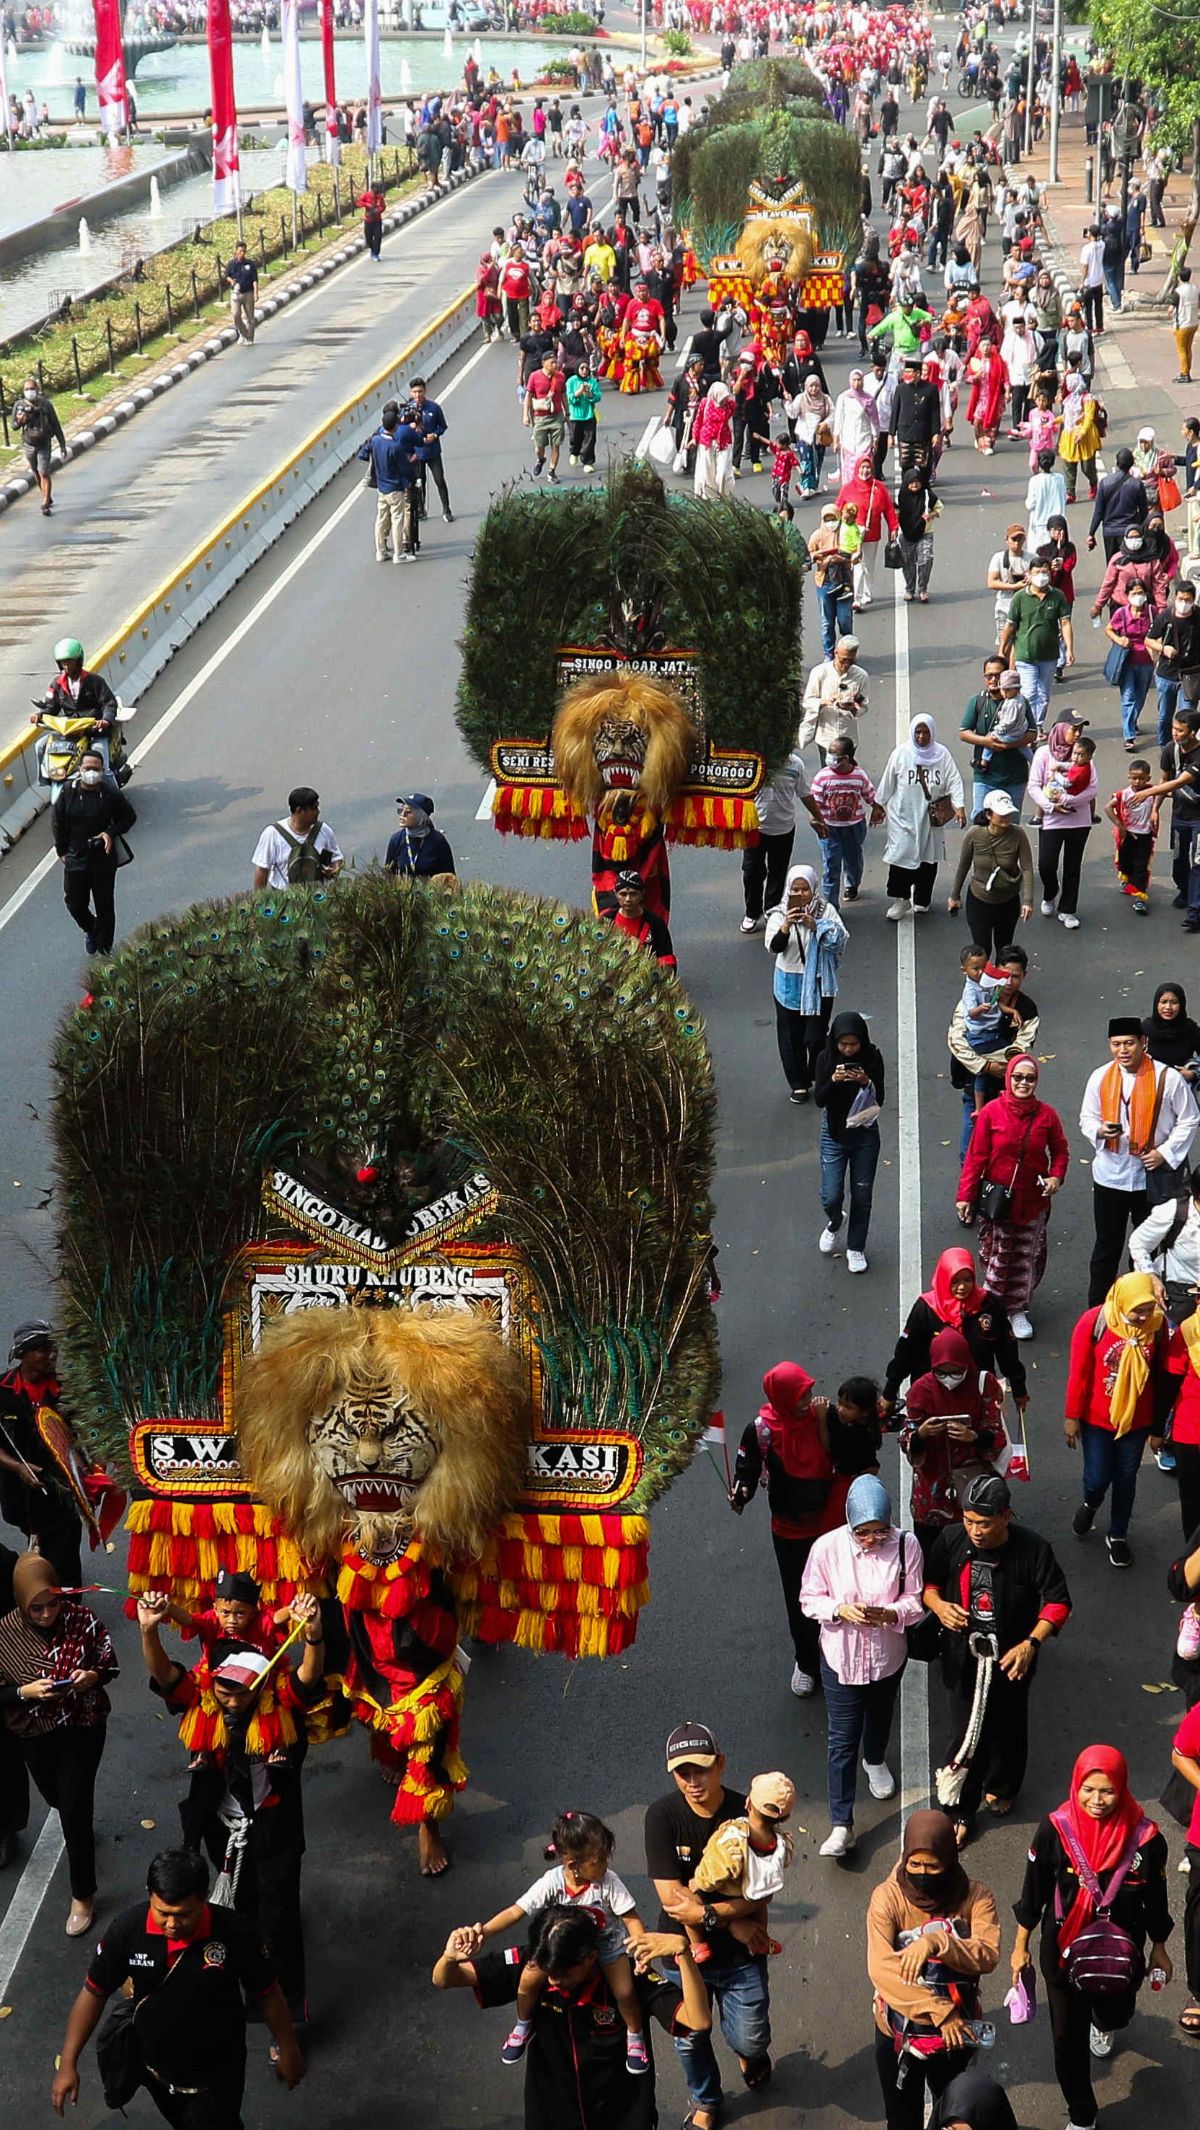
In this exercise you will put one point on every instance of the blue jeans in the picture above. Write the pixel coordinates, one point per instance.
(837, 617)
(1185, 867)
(1037, 679)
(981, 792)
(1114, 282)
(842, 847)
(1135, 687)
(854, 1715)
(1168, 696)
(1112, 1461)
(859, 1155)
(743, 2002)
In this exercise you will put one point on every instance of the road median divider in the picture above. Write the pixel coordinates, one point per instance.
(137, 652)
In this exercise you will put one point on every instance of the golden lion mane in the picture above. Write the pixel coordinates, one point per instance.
(764, 235)
(466, 1384)
(634, 698)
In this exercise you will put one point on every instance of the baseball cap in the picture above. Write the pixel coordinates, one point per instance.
(999, 802)
(773, 1795)
(242, 1667)
(691, 1742)
(1011, 532)
(419, 799)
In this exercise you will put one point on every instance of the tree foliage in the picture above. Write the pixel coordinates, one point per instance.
(1157, 44)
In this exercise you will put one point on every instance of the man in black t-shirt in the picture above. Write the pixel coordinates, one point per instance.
(577, 2075)
(186, 1965)
(677, 1828)
(1179, 766)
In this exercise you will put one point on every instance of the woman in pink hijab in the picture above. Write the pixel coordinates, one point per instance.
(855, 426)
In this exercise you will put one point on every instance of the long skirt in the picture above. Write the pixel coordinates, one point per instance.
(714, 472)
(1013, 1259)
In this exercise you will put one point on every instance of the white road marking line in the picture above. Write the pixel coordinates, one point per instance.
(31, 1890)
(483, 812)
(49, 863)
(914, 1690)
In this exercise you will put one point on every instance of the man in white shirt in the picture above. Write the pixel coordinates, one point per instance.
(765, 864)
(1091, 286)
(833, 698)
(300, 851)
(1132, 1090)
(1006, 571)
(1187, 315)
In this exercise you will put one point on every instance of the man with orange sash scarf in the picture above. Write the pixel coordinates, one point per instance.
(1141, 1118)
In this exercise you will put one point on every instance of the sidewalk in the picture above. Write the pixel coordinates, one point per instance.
(1136, 351)
(127, 514)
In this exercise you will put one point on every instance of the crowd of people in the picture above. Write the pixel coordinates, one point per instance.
(589, 300)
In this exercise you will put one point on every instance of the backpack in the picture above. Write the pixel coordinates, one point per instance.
(1103, 1961)
(306, 863)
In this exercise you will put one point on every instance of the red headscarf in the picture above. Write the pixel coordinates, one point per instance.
(1103, 1841)
(791, 1422)
(950, 1307)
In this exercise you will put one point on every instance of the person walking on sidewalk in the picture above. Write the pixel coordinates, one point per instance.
(36, 416)
(241, 279)
(1091, 287)
(89, 816)
(374, 206)
(1187, 317)
(1141, 1118)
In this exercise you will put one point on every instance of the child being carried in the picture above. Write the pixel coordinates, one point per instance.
(746, 1858)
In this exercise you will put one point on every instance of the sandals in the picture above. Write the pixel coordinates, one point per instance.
(1189, 2020)
(999, 1807)
(757, 2072)
(962, 1832)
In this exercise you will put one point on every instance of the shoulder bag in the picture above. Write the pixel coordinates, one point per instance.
(1115, 664)
(996, 1199)
(892, 556)
(941, 809)
(924, 1640)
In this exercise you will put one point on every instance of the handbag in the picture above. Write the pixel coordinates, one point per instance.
(117, 2057)
(1115, 663)
(924, 1640)
(863, 1110)
(122, 851)
(892, 557)
(1165, 1182)
(941, 809)
(996, 1199)
(1169, 497)
(823, 438)
(1103, 1960)
(661, 448)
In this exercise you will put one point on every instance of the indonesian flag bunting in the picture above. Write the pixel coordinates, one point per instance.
(227, 176)
(374, 84)
(293, 94)
(333, 145)
(110, 67)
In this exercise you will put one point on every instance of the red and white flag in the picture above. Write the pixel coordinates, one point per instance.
(110, 67)
(374, 83)
(6, 113)
(333, 144)
(293, 96)
(227, 176)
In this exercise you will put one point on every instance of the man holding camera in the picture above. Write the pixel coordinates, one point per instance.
(1141, 1119)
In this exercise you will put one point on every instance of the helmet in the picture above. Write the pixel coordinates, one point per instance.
(67, 647)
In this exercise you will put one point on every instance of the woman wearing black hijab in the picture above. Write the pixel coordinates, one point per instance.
(1172, 1038)
(973, 2101)
(848, 1085)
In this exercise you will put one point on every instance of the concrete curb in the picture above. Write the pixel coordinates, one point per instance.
(106, 425)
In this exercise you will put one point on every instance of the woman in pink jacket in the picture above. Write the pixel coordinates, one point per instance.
(712, 435)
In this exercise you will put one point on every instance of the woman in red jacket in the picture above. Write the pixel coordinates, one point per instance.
(1118, 1355)
(1183, 1386)
(875, 510)
(1019, 1143)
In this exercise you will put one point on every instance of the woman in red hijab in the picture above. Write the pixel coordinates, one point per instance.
(957, 1302)
(873, 502)
(1018, 1142)
(788, 1445)
(1098, 1846)
(989, 391)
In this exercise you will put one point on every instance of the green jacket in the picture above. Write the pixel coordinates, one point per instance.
(903, 327)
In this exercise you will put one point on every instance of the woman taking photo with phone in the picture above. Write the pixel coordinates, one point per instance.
(56, 1659)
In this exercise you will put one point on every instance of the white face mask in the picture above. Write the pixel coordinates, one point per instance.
(91, 776)
(1040, 579)
(1184, 607)
(1133, 547)
(950, 1377)
(31, 391)
(1136, 605)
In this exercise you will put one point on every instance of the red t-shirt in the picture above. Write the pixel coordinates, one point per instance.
(547, 395)
(514, 280)
(1185, 1425)
(1187, 1740)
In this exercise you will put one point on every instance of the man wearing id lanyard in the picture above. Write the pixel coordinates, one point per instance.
(1141, 1118)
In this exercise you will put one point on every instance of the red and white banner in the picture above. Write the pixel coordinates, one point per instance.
(110, 67)
(374, 83)
(293, 96)
(227, 176)
(333, 145)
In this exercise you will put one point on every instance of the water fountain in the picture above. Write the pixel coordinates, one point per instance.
(405, 77)
(156, 205)
(266, 42)
(478, 51)
(80, 37)
(448, 44)
(12, 51)
(85, 238)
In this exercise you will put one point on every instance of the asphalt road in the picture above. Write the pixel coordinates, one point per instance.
(346, 679)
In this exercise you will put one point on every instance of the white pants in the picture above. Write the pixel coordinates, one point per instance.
(862, 576)
(714, 472)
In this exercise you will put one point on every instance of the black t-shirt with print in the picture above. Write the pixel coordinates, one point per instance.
(676, 1838)
(1185, 803)
(576, 2077)
(190, 2020)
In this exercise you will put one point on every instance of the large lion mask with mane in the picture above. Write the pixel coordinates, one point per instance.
(626, 739)
(363, 1428)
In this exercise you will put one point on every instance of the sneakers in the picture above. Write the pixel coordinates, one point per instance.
(880, 1779)
(839, 1843)
(827, 1241)
(1120, 1555)
(1165, 1459)
(552, 477)
(1187, 1643)
(804, 1686)
(751, 924)
(517, 2043)
(1049, 906)
(1068, 920)
(856, 1261)
(1021, 1326)
(897, 910)
(1100, 2042)
(447, 517)
(1083, 1519)
(637, 2055)
(801, 1094)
